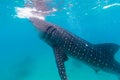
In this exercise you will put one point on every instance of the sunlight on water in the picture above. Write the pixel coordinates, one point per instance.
(111, 5)
(30, 11)
(27, 13)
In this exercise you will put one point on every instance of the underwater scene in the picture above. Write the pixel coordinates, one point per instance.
(83, 40)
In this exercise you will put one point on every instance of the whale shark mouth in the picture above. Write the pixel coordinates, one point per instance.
(33, 11)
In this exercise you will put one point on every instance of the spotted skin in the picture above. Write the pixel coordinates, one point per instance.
(65, 44)
(60, 59)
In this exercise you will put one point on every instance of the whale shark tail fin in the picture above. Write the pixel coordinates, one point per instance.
(108, 49)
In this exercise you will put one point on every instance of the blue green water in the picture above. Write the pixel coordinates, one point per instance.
(24, 56)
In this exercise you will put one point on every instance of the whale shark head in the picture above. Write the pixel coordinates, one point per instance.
(41, 25)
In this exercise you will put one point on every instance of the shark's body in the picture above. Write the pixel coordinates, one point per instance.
(65, 44)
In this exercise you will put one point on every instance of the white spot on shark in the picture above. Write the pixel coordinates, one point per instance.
(86, 45)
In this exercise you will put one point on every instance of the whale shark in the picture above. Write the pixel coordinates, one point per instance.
(65, 45)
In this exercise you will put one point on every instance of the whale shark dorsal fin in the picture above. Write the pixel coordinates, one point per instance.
(108, 48)
(60, 58)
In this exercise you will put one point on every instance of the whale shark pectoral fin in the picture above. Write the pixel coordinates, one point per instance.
(108, 48)
(61, 57)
